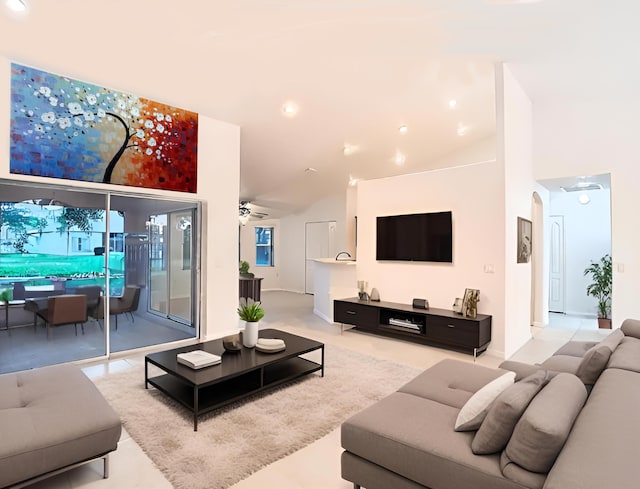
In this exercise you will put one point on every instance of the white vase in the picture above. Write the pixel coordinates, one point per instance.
(250, 334)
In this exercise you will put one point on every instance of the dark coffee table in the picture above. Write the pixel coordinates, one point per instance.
(240, 374)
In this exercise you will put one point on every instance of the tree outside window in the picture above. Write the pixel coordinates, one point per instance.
(264, 246)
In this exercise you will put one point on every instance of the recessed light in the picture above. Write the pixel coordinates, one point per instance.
(453, 103)
(352, 181)
(349, 149)
(462, 129)
(310, 170)
(290, 109)
(399, 158)
(403, 129)
(584, 199)
(16, 5)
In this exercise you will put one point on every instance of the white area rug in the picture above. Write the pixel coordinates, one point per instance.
(234, 442)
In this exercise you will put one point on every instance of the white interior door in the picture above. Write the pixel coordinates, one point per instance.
(319, 243)
(556, 273)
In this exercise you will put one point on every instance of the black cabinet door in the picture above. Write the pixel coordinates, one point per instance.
(460, 332)
(359, 315)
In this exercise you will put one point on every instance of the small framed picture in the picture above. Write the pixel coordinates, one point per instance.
(524, 240)
(470, 302)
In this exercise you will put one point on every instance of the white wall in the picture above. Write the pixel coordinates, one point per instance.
(590, 136)
(514, 131)
(292, 238)
(475, 195)
(218, 190)
(476, 152)
(343, 209)
(587, 237)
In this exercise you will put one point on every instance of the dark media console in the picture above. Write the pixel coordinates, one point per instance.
(435, 327)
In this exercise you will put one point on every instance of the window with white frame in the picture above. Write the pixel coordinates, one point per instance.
(264, 246)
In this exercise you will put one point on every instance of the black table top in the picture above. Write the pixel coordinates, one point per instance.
(233, 363)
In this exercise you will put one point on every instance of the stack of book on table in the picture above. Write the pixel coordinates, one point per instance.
(198, 359)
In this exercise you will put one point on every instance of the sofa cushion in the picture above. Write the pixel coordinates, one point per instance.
(475, 409)
(562, 363)
(514, 472)
(602, 448)
(613, 340)
(62, 419)
(575, 348)
(521, 369)
(451, 382)
(543, 428)
(505, 412)
(588, 368)
(593, 363)
(631, 327)
(627, 355)
(10, 390)
(414, 437)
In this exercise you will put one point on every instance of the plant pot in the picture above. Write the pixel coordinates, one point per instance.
(604, 323)
(250, 334)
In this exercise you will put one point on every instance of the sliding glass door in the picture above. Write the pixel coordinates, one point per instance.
(134, 260)
(172, 264)
(161, 256)
(53, 273)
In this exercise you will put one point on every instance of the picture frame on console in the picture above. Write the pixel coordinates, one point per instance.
(470, 302)
(525, 240)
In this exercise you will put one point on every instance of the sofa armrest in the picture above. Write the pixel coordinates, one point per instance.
(521, 369)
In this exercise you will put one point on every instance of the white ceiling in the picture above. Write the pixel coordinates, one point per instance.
(356, 69)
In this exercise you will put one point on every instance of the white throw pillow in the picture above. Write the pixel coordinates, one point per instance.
(475, 409)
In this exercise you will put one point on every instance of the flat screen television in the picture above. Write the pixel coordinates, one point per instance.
(415, 237)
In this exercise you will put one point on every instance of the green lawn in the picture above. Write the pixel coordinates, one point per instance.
(32, 268)
(45, 265)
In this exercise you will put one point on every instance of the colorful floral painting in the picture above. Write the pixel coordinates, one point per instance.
(65, 128)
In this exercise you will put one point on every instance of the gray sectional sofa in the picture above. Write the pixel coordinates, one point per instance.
(575, 426)
(52, 419)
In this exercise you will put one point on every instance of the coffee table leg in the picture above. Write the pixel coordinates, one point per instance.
(146, 373)
(322, 371)
(195, 408)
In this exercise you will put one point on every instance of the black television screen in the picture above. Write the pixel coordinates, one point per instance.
(415, 237)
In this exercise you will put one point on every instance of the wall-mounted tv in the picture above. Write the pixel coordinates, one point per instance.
(415, 237)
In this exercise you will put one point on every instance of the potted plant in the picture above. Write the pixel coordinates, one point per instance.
(251, 313)
(5, 296)
(244, 270)
(600, 288)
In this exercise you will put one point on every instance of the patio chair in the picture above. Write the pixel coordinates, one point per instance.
(64, 309)
(93, 293)
(127, 303)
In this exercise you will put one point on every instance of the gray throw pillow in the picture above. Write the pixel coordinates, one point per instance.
(505, 412)
(593, 363)
(545, 425)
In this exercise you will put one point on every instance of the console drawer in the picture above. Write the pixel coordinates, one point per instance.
(356, 314)
(460, 332)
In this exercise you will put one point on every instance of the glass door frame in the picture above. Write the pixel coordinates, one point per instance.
(105, 196)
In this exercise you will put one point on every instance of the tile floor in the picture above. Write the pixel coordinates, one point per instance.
(318, 465)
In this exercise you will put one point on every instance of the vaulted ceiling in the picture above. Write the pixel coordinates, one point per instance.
(355, 71)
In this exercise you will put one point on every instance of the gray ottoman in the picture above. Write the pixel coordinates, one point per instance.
(52, 419)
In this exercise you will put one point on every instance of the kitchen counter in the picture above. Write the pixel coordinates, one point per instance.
(333, 279)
